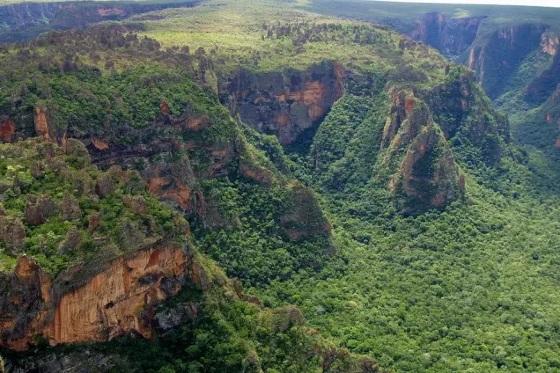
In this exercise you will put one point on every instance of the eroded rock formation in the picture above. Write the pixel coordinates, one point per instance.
(91, 304)
(289, 104)
(41, 122)
(549, 43)
(424, 174)
(451, 36)
(7, 130)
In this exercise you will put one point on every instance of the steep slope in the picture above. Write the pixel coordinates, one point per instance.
(430, 209)
(293, 103)
(289, 104)
(436, 288)
(426, 175)
(97, 259)
(512, 50)
(74, 216)
(176, 142)
(158, 121)
(451, 36)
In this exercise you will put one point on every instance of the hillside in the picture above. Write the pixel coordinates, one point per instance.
(253, 186)
(512, 50)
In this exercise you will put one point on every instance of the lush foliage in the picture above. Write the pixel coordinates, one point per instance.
(61, 210)
(470, 288)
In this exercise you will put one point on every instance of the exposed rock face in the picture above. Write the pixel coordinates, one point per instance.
(451, 36)
(7, 130)
(99, 144)
(425, 176)
(40, 118)
(165, 159)
(12, 234)
(289, 104)
(90, 304)
(23, 296)
(497, 59)
(549, 43)
(256, 173)
(39, 209)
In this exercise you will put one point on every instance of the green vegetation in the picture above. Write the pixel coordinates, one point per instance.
(62, 211)
(469, 288)
(250, 242)
(232, 335)
(271, 36)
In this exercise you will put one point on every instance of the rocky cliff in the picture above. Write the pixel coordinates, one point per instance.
(451, 36)
(424, 173)
(544, 85)
(93, 303)
(496, 57)
(289, 104)
(94, 251)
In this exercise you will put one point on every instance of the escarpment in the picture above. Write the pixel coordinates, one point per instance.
(451, 36)
(544, 85)
(90, 304)
(111, 252)
(289, 104)
(494, 60)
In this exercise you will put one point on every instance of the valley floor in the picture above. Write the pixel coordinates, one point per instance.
(473, 289)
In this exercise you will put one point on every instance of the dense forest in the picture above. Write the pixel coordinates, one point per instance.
(233, 186)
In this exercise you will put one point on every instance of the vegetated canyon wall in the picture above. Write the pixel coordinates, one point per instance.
(499, 55)
(494, 52)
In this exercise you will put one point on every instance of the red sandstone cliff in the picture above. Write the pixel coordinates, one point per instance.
(115, 300)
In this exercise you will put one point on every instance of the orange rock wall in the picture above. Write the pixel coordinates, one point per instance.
(41, 122)
(286, 103)
(109, 304)
(7, 130)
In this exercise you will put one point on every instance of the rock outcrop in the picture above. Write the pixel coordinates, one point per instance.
(422, 168)
(7, 130)
(12, 233)
(451, 36)
(544, 85)
(289, 104)
(549, 43)
(94, 303)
